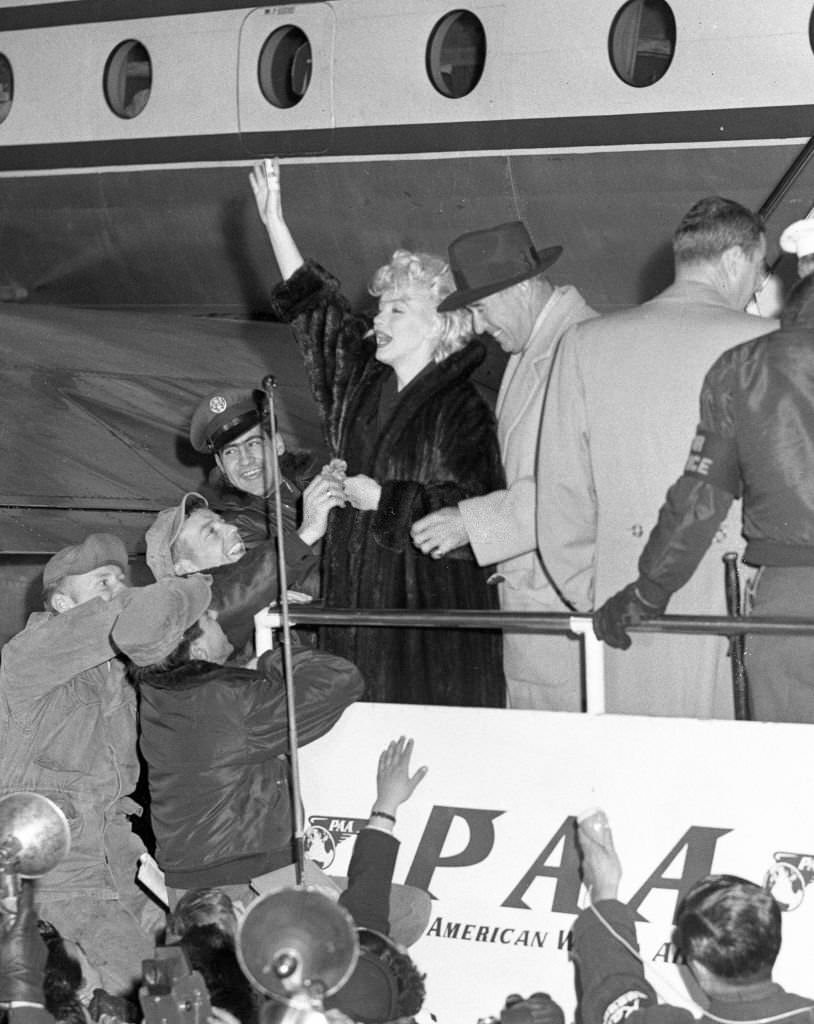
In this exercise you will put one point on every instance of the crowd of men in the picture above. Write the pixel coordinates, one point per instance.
(595, 415)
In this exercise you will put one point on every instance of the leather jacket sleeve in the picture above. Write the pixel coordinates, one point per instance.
(698, 501)
(687, 524)
(324, 685)
(241, 589)
(612, 984)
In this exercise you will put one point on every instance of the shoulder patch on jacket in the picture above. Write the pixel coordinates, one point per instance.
(714, 458)
(625, 1004)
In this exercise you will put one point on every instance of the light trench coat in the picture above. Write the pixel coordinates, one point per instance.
(621, 414)
(542, 671)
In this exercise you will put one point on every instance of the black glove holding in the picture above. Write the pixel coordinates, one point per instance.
(23, 953)
(625, 608)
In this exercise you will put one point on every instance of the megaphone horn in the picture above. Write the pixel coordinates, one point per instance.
(34, 834)
(296, 940)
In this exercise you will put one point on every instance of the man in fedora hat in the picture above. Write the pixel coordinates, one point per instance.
(622, 401)
(501, 278)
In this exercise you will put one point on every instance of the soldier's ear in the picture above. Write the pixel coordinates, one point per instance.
(183, 567)
(198, 651)
(61, 602)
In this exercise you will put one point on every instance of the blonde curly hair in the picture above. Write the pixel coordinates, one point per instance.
(408, 270)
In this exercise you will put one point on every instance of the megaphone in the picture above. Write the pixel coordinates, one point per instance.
(34, 837)
(297, 943)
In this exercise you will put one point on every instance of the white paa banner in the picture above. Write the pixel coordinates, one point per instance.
(490, 833)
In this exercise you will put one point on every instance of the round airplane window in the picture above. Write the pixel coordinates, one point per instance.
(6, 87)
(284, 67)
(456, 54)
(128, 79)
(642, 41)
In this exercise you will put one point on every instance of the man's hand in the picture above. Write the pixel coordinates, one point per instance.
(539, 1008)
(440, 532)
(394, 784)
(363, 492)
(318, 498)
(625, 608)
(22, 953)
(601, 867)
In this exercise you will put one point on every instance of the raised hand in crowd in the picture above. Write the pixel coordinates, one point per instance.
(601, 867)
(394, 784)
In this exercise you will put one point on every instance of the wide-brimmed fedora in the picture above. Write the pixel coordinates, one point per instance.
(487, 261)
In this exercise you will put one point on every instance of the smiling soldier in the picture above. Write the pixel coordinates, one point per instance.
(229, 424)
(190, 538)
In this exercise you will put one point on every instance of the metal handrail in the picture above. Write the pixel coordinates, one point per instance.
(269, 619)
(535, 622)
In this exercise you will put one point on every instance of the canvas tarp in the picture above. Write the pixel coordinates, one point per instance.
(96, 407)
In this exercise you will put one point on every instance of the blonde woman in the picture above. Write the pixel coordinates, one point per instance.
(399, 408)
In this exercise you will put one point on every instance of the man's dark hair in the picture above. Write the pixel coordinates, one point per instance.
(712, 226)
(211, 906)
(409, 981)
(211, 952)
(175, 659)
(730, 926)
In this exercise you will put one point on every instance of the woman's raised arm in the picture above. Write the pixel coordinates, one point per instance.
(265, 182)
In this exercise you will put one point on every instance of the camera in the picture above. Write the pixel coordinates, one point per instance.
(171, 992)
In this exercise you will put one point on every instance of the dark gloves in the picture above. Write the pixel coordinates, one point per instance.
(22, 953)
(537, 1009)
(625, 608)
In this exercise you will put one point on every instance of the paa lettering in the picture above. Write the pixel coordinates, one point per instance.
(668, 953)
(697, 844)
(343, 825)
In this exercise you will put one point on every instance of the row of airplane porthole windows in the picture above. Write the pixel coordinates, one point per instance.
(641, 45)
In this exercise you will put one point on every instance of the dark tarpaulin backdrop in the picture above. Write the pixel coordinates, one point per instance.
(94, 428)
(96, 406)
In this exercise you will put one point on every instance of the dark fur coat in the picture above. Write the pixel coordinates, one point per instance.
(437, 446)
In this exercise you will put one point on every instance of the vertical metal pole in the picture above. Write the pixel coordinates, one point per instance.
(269, 384)
(737, 642)
(594, 654)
